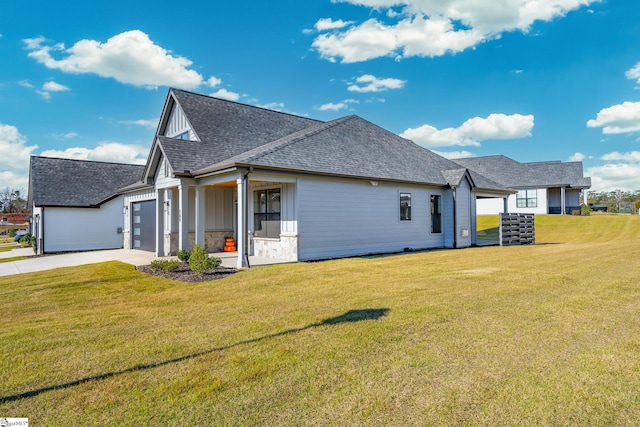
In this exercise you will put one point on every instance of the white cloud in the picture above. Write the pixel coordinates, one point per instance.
(614, 176)
(213, 81)
(332, 107)
(633, 156)
(130, 57)
(52, 86)
(148, 123)
(577, 157)
(67, 135)
(434, 27)
(472, 131)
(634, 73)
(15, 161)
(25, 83)
(226, 94)
(621, 118)
(329, 24)
(45, 95)
(105, 151)
(454, 154)
(370, 83)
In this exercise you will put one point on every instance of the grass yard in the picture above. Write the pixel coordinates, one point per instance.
(534, 335)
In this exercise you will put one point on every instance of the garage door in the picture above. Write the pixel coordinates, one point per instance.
(143, 226)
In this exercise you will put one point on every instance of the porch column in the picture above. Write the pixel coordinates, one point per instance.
(563, 202)
(160, 223)
(505, 205)
(183, 217)
(243, 200)
(200, 215)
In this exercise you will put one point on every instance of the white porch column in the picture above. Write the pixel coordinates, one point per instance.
(563, 202)
(183, 217)
(505, 204)
(200, 215)
(243, 200)
(160, 223)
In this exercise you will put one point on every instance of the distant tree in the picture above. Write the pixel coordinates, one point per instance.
(12, 201)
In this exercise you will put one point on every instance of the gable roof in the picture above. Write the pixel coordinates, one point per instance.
(224, 129)
(77, 183)
(350, 147)
(229, 134)
(514, 174)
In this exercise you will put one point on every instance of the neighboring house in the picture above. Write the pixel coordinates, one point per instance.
(76, 205)
(542, 187)
(292, 188)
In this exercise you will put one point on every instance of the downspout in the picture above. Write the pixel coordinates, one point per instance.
(245, 214)
(455, 220)
(40, 250)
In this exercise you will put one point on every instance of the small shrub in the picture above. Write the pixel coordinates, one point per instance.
(184, 255)
(200, 261)
(585, 210)
(165, 264)
(29, 240)
(12, 232)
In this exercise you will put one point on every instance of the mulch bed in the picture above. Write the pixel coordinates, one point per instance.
(184, 273)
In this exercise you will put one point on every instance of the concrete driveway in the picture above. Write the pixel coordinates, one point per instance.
(129, 256)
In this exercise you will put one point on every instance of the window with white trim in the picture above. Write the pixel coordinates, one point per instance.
(527, 199)
(266, 213)
(405, 206)
(436, 213)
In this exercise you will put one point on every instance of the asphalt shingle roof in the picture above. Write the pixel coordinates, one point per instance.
(233, 134)
(513, 174)
(78, 183)
(350, 146)
(226, 129)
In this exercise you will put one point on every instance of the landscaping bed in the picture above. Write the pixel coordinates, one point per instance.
(184, 274)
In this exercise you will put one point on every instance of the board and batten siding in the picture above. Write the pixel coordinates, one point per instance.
(218, 208)
(347, 217)
(178, 124)
(81, 229)
(137, 196)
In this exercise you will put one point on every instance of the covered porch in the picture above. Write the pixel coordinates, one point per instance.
(256, 210)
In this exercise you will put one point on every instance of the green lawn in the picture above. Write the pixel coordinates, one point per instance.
(547, 334)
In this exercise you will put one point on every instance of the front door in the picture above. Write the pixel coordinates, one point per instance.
(143, 226)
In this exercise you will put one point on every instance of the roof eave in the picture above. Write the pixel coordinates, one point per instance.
(231, 167)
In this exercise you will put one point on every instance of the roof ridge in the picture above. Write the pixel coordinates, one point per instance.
(87, 161)
(290, 139)
(242, 104)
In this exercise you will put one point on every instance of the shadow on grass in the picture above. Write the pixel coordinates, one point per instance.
(350, 316)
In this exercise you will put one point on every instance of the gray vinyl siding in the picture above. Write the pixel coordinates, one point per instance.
(83, 229)
(463, 214)
(572, 197)
(348, 217)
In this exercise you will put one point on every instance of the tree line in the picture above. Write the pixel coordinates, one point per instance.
(615, 200)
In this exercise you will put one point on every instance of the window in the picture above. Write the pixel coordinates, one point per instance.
(405, 206)
(436, 213)
(266, 213)
(183, 135)
(527, 199)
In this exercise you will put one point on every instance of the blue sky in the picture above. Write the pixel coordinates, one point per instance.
(535, 80)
